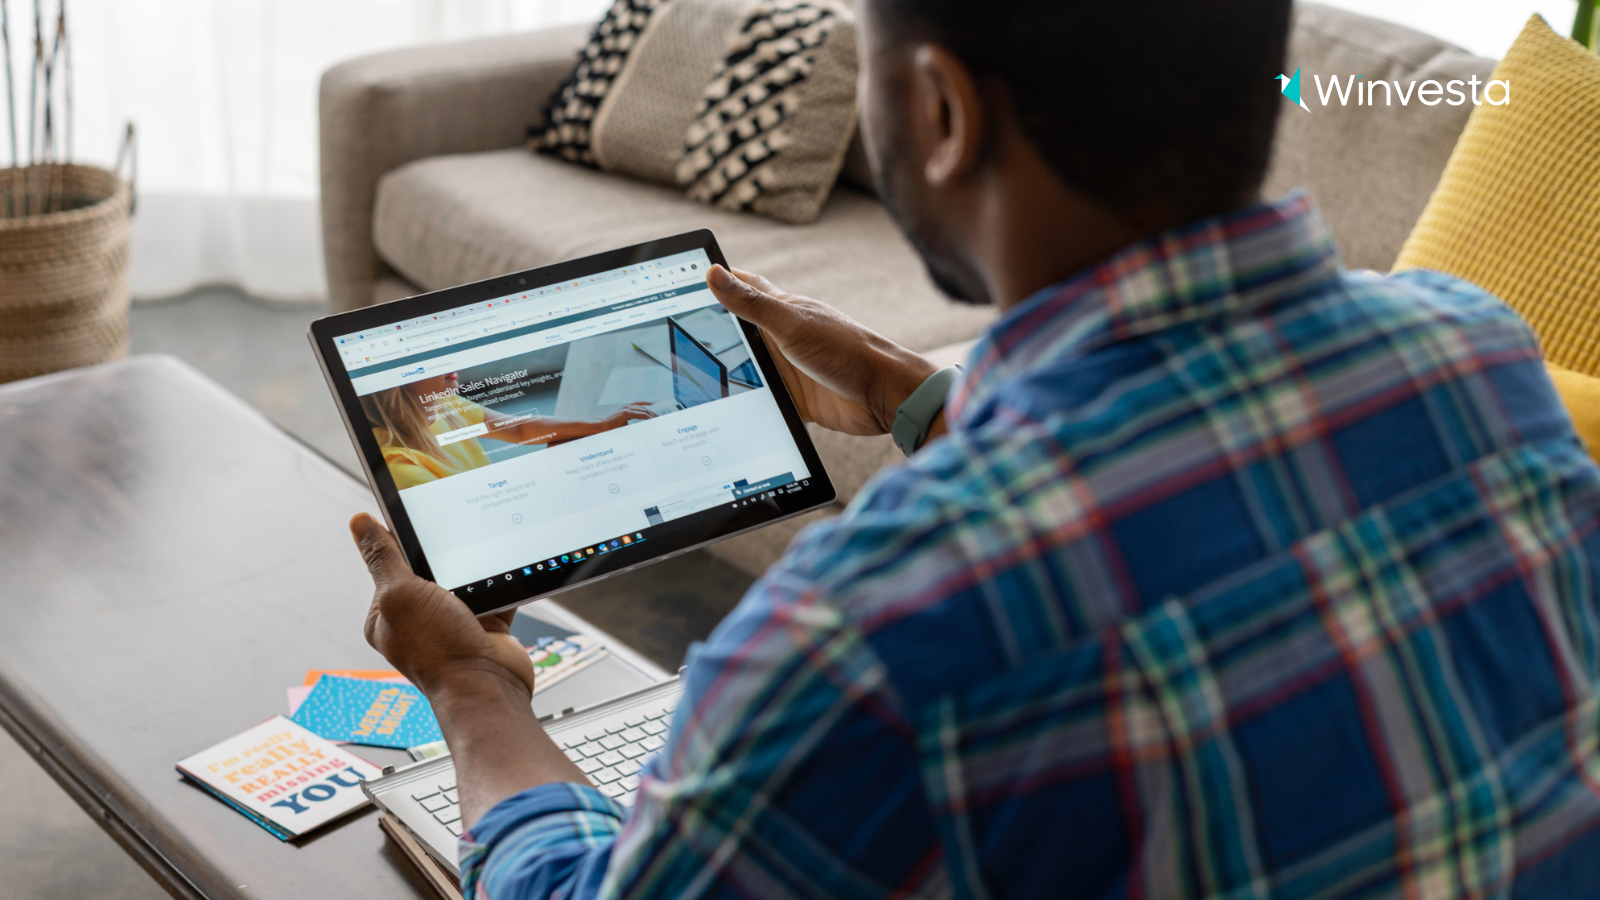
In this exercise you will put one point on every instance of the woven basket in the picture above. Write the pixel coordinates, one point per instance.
(63, 275)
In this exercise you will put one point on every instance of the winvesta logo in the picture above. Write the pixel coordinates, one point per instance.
(1366, 91)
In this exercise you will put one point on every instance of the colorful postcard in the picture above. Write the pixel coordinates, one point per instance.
(282, 777)
(378, 713)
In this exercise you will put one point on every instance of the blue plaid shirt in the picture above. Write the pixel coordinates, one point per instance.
(1238, 575)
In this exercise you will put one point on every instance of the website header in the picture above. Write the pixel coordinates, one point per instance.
(545, 305)
(477, 351)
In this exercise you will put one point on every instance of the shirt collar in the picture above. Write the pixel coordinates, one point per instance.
(1218, 266)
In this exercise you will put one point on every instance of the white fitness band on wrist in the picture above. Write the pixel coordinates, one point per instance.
(916, 415)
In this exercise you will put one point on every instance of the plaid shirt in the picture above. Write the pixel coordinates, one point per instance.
(1238, 575)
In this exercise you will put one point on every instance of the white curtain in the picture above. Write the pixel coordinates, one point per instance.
(1484, 27)
(224, 95)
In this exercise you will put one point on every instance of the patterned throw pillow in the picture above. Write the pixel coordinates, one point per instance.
(776, 122)
(569, 114)
(640, 86)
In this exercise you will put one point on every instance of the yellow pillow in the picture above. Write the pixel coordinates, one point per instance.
(1517, 210)
(1581, 395)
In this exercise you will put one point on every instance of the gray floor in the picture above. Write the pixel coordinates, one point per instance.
(258, 350)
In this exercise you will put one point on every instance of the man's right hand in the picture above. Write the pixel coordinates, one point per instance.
(842, 375)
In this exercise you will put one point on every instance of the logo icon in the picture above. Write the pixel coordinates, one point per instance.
(1291, 88)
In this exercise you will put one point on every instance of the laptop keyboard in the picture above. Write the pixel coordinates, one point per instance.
(611, 754)
(441, 800)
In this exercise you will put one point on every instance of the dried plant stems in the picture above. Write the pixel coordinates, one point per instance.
(11, 102)
(31, 176)
(36, 182)
(66, 84)
(54, 187)
(11, 91)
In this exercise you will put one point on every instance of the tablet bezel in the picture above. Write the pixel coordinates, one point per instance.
(664, 540)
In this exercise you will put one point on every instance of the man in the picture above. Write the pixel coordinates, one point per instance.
(1234, 575)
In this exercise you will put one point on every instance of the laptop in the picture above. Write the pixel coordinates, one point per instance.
(610, 742)
(697, 375)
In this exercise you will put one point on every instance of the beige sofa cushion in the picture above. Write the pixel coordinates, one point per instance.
(453, 219)
(1371, 169)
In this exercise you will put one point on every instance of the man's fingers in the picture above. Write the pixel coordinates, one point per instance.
(499, 623)
(382, 555)
(760, 282)
(749, 302)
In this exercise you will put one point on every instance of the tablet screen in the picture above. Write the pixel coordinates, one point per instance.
(530, 433)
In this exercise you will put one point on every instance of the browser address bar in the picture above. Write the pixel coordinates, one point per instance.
(446, 326)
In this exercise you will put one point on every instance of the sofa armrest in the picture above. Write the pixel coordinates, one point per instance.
(380, 112)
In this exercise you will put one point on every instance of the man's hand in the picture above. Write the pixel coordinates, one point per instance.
(843, 376)
(425, 631)
(477, 677)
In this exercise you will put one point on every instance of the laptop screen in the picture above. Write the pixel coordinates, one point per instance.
(697, 375)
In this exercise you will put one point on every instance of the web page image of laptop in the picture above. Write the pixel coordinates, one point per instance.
(535, 425)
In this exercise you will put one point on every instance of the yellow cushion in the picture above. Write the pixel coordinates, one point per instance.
(1517, 211)
(1581, 395)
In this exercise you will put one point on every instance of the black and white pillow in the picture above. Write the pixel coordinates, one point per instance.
(768, 135)
(775, 123)
(569, 115)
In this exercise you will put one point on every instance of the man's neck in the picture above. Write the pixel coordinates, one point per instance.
(1031, 231)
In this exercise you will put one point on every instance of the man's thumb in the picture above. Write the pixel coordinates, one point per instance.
(378, 549)
(746, 301)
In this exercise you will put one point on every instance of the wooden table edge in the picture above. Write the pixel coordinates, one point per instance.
(95, 799)
(41, 737)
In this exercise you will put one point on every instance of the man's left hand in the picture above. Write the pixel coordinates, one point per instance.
(477, 677)
(424, 630)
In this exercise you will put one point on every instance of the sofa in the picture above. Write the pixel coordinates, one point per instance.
(427, 183)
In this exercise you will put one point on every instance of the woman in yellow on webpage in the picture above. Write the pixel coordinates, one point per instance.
(408, 420)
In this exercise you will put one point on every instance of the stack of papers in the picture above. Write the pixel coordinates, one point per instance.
(282, 777)
(555, 659)
(289, 776)
(379, 713)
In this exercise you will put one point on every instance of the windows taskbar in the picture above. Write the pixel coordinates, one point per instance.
(744, 509)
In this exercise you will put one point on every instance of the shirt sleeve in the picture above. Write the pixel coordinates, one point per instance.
(788, 773)
(550, 841)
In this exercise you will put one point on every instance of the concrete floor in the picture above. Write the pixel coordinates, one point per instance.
(258, 350)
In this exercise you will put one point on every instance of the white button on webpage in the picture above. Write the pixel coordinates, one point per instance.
(461, 434)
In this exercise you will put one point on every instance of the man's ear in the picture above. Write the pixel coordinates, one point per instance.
(951, 109)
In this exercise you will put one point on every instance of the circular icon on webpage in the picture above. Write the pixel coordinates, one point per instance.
(516, 518)
(615, 489)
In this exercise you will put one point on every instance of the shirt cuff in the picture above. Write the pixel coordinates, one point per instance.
(557, 821)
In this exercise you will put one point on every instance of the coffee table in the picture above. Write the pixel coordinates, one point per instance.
(171, 562)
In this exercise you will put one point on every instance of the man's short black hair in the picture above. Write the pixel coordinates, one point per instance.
(1174, 100)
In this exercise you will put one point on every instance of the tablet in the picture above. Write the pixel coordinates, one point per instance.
(539, 430)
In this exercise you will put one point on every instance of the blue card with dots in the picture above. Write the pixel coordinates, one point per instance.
(376, 713)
